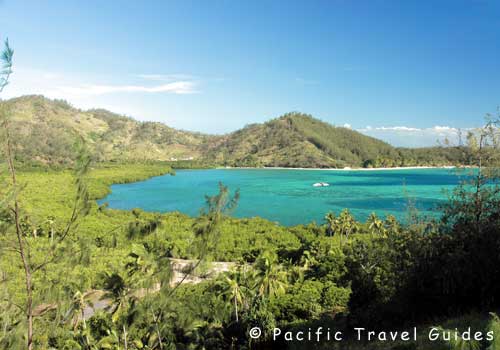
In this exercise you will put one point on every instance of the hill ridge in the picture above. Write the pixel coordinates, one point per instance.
(44, 131)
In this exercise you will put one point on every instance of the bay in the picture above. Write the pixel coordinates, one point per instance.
(287, 196)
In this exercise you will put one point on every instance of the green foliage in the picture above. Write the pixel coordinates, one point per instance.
(44, 131)
(459, 343)
(303, 302)
(476, 204)
(296, 140)
(380, 273)
(287, 276)
(494, 326)
(6, 68)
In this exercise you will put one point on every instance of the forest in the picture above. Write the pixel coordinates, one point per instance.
(49, 128)
(78, 275)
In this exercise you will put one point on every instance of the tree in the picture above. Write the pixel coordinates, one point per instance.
(23, 241)
(330, 219)
(14, 208)
(235, 291)
(375, 225)
(476, 202)
(162, 307)
(76, 312)
(122, 301)
(6, 60)
(147, 270)
(391, 225)
(207, 226)
(347, 224)
(270, 277)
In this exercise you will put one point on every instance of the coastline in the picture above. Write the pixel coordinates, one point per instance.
(345, 169)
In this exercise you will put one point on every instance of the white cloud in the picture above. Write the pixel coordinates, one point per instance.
(56, 85)
(178, 87)
(444, 128)
(391, 128)
(166, 77)
(121, 94)
(82, 92)
(347, 126)
(405, 136)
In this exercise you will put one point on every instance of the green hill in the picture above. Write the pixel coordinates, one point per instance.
(298, 140)
(44, 131)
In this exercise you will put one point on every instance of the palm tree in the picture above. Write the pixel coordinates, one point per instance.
(306, 260)
(331, 221)
(76, 313)
(79, 303)
(121, 302)
(147, 270)
(391, 225)
(206, 336)
(375, 225)
(347, 224)
(51, 223)
(271, 278)
(235, 290)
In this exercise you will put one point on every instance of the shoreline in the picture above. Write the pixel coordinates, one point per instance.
(344, 169)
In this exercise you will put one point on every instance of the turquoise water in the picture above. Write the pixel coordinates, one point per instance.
(288, 197)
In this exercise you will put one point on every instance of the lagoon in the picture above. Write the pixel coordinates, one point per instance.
(287, 196)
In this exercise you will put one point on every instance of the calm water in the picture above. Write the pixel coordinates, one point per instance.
(288, 197)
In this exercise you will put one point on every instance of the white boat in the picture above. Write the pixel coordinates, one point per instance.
(321, 184)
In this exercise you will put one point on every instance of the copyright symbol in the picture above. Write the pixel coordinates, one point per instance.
(255, 333)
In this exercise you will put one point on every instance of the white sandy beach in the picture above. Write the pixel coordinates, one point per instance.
(345, 169)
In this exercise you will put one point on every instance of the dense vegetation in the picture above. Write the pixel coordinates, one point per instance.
(47, 129)
(76, 275)
(44, 131)
(299, 140)
(379, 273)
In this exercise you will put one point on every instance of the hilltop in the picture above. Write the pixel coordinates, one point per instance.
(298, 140)
(45, 131)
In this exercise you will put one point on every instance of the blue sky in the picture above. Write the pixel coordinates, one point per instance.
(405, 71)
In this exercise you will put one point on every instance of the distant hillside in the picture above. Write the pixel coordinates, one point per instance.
(298, 140)
(45, 131)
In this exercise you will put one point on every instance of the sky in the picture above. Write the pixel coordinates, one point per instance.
(409, 72)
